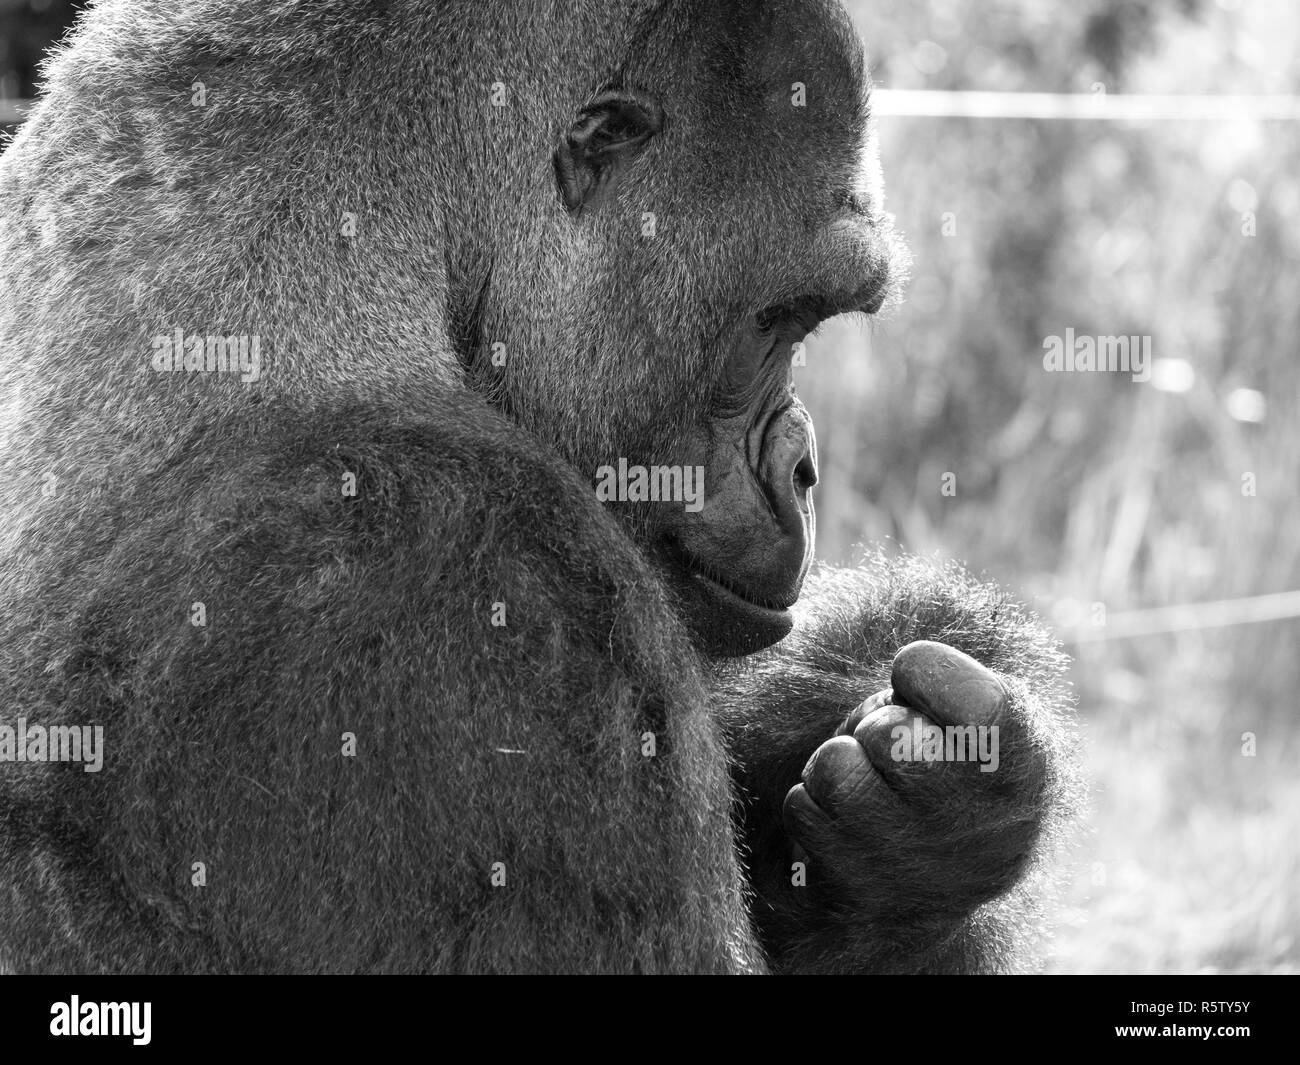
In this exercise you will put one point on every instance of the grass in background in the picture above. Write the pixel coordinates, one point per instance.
(1090, 488)
(1192, 859)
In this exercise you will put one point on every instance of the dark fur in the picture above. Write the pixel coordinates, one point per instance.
(898, 906)
(127, 212)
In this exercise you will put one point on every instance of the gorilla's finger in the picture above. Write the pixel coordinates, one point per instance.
(910, 766)
(840, 776)
(947, 685)
(875, 733)
(804, 820)
(867, 706)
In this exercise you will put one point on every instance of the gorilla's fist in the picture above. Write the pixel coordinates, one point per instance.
(928, 797)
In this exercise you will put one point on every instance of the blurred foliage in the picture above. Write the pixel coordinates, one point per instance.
(1083, 487)
(1091, 488)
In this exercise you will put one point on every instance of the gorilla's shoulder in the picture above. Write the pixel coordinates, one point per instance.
(454, 479)
(326, 526)
(356, 513)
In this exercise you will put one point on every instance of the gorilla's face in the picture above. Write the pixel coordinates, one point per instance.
(740, 560)
(723, 200)
(807, 243)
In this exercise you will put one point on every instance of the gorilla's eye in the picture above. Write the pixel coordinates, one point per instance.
(796, 319)
(767, 320)
(760, 362)
(607, 134)
(751, 368)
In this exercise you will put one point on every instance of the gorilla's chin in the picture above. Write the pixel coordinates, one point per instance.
(724, 624)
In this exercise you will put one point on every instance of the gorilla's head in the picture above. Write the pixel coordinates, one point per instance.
(624, 214)
(694, 190)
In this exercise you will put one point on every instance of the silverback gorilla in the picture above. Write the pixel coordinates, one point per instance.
(319, 322)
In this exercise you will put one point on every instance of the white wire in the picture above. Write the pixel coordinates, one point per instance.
(1186, 617)
(1104, 107)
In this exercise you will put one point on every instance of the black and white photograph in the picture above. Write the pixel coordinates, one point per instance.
(651, 487)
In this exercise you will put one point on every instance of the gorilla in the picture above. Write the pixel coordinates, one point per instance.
(405, 495)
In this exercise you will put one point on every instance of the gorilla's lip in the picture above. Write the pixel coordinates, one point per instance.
(724, 620)
(728, 594)
(719, 587)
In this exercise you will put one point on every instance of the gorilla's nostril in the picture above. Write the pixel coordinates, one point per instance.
(805, 474)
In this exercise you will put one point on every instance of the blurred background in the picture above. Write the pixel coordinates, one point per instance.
(1103, 501)
(1153, 524)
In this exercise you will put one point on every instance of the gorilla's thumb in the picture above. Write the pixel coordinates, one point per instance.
(946, 684)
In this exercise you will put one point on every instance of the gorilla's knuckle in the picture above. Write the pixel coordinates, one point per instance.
(805, 819)
(863, 709)
(839, 773)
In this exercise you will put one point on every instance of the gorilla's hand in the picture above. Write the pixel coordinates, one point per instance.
(877, 863)
(930, 790)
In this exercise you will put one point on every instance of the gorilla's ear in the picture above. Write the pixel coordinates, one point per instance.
(607, 134)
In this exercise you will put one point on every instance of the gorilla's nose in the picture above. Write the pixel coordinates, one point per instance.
(752, 542)
(788, 471)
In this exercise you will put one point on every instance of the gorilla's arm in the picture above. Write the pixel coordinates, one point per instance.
(914, 878)
(327, 614)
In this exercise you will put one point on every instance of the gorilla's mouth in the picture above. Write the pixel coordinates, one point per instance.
(731, 593)
(697, 569)
(727, 619)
